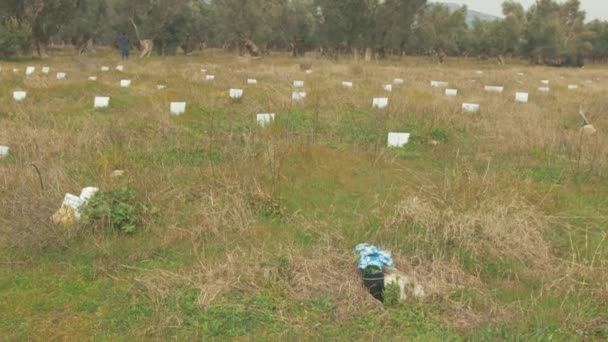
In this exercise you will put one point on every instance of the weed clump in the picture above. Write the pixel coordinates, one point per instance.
(117, 209)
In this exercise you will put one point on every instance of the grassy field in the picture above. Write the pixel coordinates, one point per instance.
(247, 233)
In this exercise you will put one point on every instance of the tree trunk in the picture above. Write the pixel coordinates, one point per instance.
(368, 54)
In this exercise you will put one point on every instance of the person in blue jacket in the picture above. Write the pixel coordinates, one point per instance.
(123, 44)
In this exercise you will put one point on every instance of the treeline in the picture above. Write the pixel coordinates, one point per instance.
(549, 32)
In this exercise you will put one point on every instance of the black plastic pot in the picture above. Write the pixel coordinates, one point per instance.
(374, 282)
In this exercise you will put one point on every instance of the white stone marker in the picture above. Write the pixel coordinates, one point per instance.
(470, 107)
(30, 70)
(19, 95)
(4, 151)
(204, 71)
(398, 81)
(46, 70)
(572, 87)
(544, 89)
(521, 97)
(298, 95)
(61, 75)
(479, 72)
(178, 108)
(544, 82)
(398, 139)
(388, 87)
(92, 78)
(15, 70)
(210, 77)
(380, 102)
(308, 72)
(520, 74)
(494, 89)
(438, 84)
(125, 83)
(451, 92)
(101, 102)
(298, 84)
(264, 119)
(235, 93)
(105, 68)
(120, 68)
(347, 84)
(75, 203)
(87, 193)
(161, 86)
(252, 81)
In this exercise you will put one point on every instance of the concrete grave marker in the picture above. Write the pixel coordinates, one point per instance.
(347, 84)
(298, 95)
(544, 89)
(61, 75)
(398, 81)
(101, 102)
(308, 72)
(161, 86)
(572, 87)
(105, 68)
(398, 139)
(4, 151)
(451, 92)
(438, 84)
(380, 102)
(46, 70)
(521, 97)
(92, 78)
(210, 77)
(494, 89)
(264, 119)
(178, 108)
(30, 70)
(120, 68)
(15, 70)
(252, 81)
(235, 93)
(470, 107)
(125, 83)
(204, 71)
(298, 84)
(479, 72)
(544, 82)
(19, 95)
(388, 87)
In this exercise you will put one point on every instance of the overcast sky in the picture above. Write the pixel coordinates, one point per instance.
(596, 9)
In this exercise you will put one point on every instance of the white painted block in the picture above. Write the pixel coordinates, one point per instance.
(544, 82)
(470, 107)
(347, 84)
(19, 95)
(15, 70)
(494, 89)
(120, 68)
(105, 68)
(236, 93)
(74, 202)
(398, 139)
(308, 72)
(101, 102)
(520, 74)
(252, 81)
(521, 97)
(210, 77)
(178, 108)
(265, 118)
(298, 95)
(87, 193)
(161, 86)
(125, 83)
(30, 70)
(438, 84)
(451, 92)
(298, 84)
(572, 87)
(388, 87)
(380, 102)
(544, 89)
(204, 71)
(46, 70)
(61, 75)
(398, 81)
(4, 151)
(92, 78)
(479, 72)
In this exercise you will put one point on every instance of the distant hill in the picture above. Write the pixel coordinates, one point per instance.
(471, 15)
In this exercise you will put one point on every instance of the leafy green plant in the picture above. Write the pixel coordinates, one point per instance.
(392, 294)
(117, 209)
(439, 134)
(372, 270)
